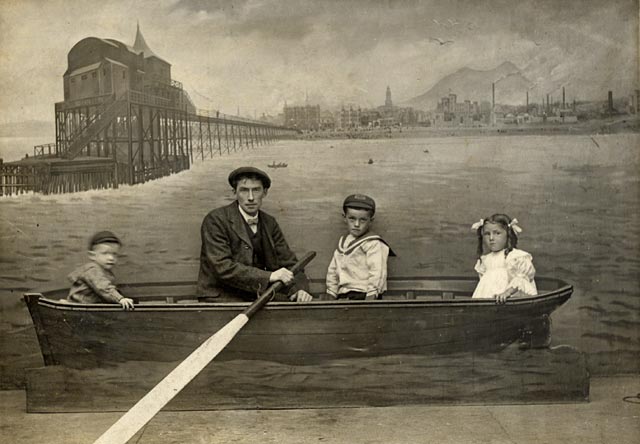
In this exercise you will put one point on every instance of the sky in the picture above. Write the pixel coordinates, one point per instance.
(256, 55)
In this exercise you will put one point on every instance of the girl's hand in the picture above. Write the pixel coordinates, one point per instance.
(502, 297)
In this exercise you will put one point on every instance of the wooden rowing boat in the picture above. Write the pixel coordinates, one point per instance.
(417, 315)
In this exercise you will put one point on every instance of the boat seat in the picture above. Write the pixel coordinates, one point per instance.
(444, 295)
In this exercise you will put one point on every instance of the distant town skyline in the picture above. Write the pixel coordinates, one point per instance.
(255, 55)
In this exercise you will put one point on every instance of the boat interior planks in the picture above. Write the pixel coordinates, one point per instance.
(512, 376)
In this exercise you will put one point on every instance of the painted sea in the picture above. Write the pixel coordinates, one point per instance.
(577, 198)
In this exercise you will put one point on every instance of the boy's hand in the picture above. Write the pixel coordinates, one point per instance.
(301, 296)
(126, 303)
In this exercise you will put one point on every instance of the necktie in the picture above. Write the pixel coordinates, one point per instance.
(253, 223)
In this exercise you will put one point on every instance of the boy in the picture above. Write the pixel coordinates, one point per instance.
(93, 282)
(358, 269)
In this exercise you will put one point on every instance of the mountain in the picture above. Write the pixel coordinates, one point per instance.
(28, 128)
(475, 85)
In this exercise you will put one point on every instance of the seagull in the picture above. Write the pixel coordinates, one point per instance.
(453, 22)
(436, 22)
(442, 42)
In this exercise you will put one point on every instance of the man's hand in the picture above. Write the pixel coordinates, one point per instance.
(283, 275)
(300, 296)
(126, 303)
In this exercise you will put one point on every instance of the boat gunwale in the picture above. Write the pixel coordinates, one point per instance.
(64, 305)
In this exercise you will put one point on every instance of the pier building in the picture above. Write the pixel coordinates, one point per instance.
(125, 120)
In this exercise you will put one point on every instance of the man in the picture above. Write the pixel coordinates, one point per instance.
(243, 249)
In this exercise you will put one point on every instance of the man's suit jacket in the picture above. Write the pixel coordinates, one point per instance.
(226, 255)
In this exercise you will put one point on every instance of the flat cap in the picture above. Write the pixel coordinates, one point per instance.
(360, 201)
(104, 237)
(249, 171)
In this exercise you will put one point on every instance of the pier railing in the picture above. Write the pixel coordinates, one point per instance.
(47, 149)
(83, 103)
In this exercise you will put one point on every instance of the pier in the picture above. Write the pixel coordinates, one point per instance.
(124, 120)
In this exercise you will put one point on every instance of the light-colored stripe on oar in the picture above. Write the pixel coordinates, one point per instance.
(145, 409)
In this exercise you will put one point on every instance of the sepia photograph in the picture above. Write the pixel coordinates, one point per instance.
(299, 221)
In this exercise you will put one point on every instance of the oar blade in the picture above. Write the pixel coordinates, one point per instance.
(145, 409)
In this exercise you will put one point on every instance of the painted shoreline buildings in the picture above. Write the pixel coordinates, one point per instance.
(451, 113)
(312, 118)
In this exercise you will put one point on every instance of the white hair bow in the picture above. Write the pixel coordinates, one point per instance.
(477, 225)
(514, 226)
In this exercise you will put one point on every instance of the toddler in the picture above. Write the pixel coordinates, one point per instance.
(93, 282)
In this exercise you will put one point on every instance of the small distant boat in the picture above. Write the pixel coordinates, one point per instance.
(278, 165)
(370, 161)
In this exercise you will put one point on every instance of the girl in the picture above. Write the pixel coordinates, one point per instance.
(504, 270)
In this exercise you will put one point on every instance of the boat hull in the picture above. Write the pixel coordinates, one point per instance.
(80, 336)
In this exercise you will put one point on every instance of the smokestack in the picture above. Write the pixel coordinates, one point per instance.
(563, 102)
(547, 102)
(493, 95)
(527, 110)
(610, 101)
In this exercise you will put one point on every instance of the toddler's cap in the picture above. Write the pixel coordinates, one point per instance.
(359, 201)
(104, 237)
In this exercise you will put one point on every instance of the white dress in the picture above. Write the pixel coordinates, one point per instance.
(497, 273)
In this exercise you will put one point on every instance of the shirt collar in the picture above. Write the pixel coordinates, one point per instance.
(246, 216)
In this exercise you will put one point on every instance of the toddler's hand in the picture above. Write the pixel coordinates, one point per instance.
(126, 303)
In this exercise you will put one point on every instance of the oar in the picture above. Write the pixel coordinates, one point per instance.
(145, 409)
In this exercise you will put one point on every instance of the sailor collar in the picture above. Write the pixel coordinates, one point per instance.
(343, 248)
